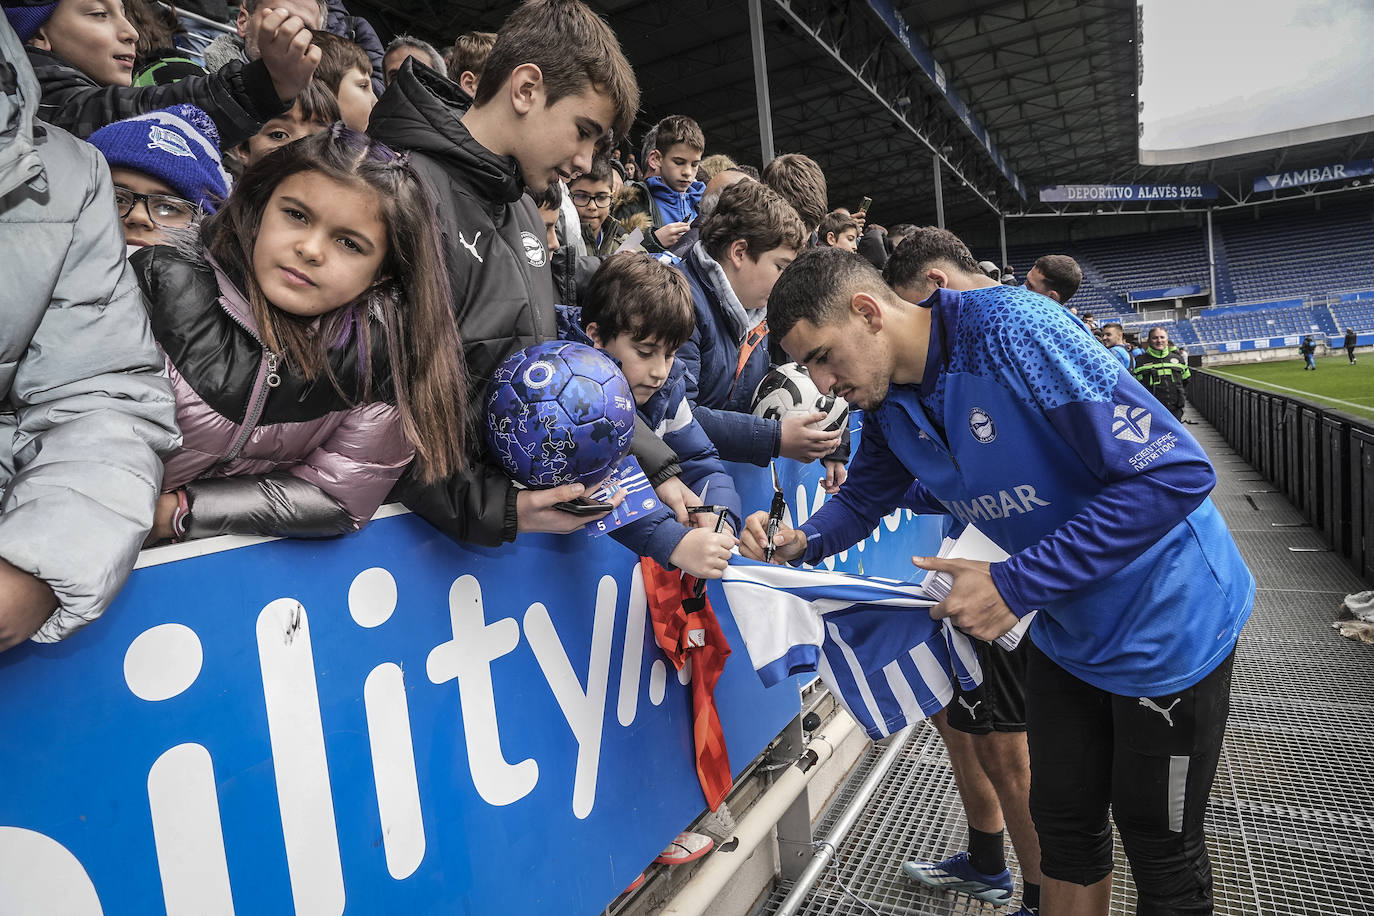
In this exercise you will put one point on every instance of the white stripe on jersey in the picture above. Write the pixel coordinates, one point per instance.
(871, 640)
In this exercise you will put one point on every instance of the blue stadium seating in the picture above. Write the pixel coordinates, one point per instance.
(1307, 254)
(1312, 256)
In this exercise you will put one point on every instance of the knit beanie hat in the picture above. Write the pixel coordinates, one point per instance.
(28, 17)
(178, 146)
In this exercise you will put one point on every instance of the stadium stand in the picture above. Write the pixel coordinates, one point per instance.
(1300, 255)
(1278, 276)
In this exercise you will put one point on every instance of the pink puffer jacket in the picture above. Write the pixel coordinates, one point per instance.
(263, 450)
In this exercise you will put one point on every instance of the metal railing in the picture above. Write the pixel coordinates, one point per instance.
(1321, 459)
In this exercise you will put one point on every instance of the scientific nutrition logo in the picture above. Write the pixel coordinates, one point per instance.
(1131, 424)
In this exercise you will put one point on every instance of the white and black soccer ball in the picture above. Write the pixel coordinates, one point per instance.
(788, 389)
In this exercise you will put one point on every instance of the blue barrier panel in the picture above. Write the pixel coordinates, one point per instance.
(383, 723)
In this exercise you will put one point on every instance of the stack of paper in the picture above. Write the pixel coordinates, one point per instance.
(973, 545)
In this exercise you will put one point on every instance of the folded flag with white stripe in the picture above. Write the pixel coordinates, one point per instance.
(871, 640)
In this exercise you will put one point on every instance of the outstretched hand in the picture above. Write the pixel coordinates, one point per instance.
(669, 235)
(535, 509)
(836, 473)
(678, 497)
(974, 604)
(803, 442)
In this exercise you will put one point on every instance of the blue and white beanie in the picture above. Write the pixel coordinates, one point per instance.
(178, 146)
(28, 16)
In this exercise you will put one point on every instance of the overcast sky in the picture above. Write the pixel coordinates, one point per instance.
(1221, 70)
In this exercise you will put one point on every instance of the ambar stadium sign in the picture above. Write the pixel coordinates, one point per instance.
(1315, 175)
(1125, 193)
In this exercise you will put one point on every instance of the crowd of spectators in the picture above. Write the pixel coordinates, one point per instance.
(263, 284)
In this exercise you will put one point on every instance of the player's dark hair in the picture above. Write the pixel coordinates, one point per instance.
(635, 294)
(923, 249)
(573, 48)
(1062, 273)
(817, 288)
(754, 212)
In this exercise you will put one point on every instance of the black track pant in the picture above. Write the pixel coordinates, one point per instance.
(1151, 760)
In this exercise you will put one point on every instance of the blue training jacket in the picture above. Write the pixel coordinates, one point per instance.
(669, 414)
(1026, 426)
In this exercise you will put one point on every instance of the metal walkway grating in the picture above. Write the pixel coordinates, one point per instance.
(1291, 818)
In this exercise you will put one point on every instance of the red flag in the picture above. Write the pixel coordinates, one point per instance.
(685, 628)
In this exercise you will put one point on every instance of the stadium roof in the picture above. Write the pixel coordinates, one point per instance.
(1013, 94)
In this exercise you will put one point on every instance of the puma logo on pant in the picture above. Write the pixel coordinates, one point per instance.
(1150, 704)
(964, 703)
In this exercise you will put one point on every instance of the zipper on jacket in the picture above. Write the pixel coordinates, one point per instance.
(267, 379)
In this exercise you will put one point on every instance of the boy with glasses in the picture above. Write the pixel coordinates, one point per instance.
(591, 194)
(166, 169)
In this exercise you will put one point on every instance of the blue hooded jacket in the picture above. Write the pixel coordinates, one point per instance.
(1024, 425)
(675, 206)
(721, 401)
(669, 414)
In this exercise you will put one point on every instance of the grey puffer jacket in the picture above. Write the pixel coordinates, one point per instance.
(85, 408)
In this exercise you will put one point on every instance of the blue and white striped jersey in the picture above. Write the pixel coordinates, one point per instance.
(871, 640)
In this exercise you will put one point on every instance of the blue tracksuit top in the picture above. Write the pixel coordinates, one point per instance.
(1026, 426)
(669, 414)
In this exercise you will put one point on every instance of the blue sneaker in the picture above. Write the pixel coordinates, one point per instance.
(956, 874)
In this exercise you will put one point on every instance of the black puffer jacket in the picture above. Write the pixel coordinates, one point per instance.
(238, 98)
(499, 275)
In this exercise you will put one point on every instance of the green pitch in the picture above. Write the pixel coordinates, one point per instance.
(1335, 384)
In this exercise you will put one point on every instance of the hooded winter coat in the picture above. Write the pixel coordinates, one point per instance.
(85, 408)
(498, 268)
(266, 452)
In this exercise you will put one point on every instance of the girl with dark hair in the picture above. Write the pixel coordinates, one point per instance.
(308, 334)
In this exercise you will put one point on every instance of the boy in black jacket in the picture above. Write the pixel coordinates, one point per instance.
(84, 65)
(555, 87)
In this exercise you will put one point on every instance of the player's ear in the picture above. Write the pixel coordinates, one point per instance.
(938, 277)
(868, 308)
(594, 332)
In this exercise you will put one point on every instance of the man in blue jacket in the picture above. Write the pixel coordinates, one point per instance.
(1002, 411)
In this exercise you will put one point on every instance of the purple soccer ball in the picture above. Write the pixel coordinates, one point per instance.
(558, 413)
